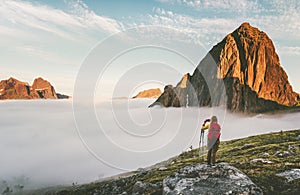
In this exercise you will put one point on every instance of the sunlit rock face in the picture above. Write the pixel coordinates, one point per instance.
(40, 89)
(242, 71)
(149, 93)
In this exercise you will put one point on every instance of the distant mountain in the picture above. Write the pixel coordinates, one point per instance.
(40, 89)
(244, 68)
(149, 93)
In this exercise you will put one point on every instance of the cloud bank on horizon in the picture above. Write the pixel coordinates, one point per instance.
(52, 38)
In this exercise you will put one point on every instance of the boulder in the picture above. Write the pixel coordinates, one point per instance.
(146, 188)
(202, 179)
(290, 175)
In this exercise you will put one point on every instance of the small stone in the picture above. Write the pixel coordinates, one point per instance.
(293, 148)
(247, 146)
(286, 153)
(298, 137)
(278, 154)
(265, 155)
(162, 168)
(229, 192)
(234, 149)
(260, 160)
(254, 161)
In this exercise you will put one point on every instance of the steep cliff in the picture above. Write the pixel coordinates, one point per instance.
(149, 93)
(15, 89)
(174, 96)
(242, 71)
(44, 88)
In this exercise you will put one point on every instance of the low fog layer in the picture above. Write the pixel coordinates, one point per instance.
(41, 146)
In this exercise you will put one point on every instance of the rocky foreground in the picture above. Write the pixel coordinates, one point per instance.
(268, 164)
(203, 179)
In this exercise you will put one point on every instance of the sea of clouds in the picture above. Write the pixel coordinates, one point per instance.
(44, 143)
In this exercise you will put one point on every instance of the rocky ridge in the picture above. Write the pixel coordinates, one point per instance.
(149, 93)
(243, 71)
(40, 89)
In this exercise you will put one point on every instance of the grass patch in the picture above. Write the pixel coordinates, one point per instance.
(263, 175)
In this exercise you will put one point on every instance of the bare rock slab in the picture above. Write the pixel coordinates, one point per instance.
(202, 179)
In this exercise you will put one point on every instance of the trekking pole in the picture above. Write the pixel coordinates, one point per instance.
(200, 145)
(201, 141)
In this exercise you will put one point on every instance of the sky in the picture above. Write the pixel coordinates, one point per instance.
(53, 38)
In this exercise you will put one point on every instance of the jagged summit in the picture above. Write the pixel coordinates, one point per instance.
(249, 55)
(44, 88)
(245, 68)
(40, 89)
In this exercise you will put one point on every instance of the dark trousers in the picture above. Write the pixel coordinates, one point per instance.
(213, 147)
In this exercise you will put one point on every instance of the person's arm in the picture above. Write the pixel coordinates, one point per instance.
(204, 127)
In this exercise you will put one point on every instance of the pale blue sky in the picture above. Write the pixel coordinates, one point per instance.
(51, 38)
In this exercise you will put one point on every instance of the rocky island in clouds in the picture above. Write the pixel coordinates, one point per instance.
(49, 146)
(149, 93)
(245, 67)
(40, 89)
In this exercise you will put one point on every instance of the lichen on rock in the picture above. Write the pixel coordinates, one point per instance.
(203, 179)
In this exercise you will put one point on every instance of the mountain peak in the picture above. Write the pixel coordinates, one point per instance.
(245, 24)
(15, 89)
(248, 66)
(149, 93)
(184, 81)
(249, 55)
(253, 34)
(11, 79)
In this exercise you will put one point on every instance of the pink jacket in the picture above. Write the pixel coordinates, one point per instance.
(214, 131)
